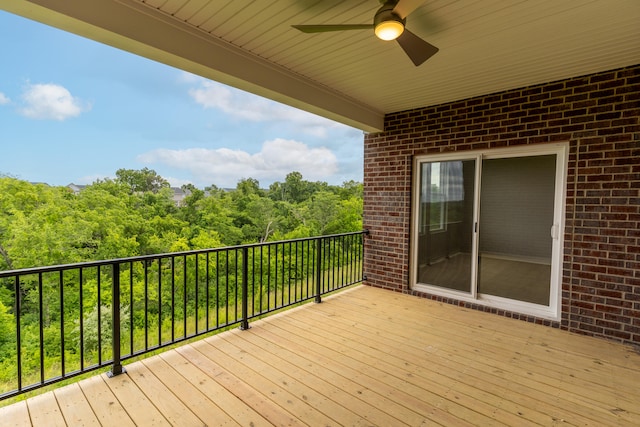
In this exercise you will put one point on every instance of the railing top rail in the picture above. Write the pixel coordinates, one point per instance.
(87, 264)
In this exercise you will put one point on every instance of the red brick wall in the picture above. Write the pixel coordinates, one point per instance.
(599, 115)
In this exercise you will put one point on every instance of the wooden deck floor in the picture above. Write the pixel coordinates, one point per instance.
(363, 357)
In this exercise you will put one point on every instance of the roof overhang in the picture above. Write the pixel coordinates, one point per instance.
(351, 77)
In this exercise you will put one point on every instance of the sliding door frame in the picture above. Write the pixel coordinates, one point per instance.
(553, 310)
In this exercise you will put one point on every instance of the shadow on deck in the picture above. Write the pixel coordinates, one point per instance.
(365, 356)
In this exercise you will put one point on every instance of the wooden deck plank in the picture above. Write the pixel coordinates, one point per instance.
(142, 411)
(316, 378)
(425, 310)
(363, 357)
(420, 382)
(540, 354)
(229, 402)
(265, 345)
(74, 406)
(513, 370)
(626, 376)
(283, 389)
(44, 411)
(398, 388)
(436, 375)
(256, 399)
(312, 372)
(16, 415)
(355, 380)
(548, 371)
(346, 379)
(170, 405)
(104, 403)
(182, 389)
(276, 392)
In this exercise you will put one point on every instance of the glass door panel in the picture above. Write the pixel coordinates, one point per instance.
(516, 218)
(445, 224)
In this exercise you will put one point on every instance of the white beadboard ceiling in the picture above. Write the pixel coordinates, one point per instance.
(352, 77)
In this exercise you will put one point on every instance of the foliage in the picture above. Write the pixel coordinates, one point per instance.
(135, 214)
(144, 180)
(90, 332)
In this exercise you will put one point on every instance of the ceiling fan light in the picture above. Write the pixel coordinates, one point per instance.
(389, 30)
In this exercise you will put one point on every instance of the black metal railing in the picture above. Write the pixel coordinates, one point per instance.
(71, 319)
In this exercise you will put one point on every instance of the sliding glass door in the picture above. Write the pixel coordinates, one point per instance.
(445, 239)
(486, 227)
(516, 218)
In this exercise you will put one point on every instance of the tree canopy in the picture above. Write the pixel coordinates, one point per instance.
(136, 214)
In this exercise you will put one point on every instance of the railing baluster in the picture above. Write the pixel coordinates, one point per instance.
(99, 285)
(235, 265)
(159, 302)
(318, 270)
(226, 319)
(116, 366)
(342, 264)
(206, 289)
(197, 319)
(184, 297)
(61, 297)
(282, 266)
(146, 304)
(333, 258)
(275, 279)
(244, 324)
(81, 311)
(289, 273)
(268, 277)
(217, 289)
(253, 280)
(173, 298)
(17, 314)
(131, 306)
(41, 319)
(305, 269)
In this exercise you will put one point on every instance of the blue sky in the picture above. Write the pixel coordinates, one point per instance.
(74, 110)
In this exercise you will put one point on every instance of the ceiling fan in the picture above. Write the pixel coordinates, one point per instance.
(388, 24)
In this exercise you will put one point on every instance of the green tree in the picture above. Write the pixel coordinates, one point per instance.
(323, 210)
(296, 190)
(217, 214)
(191, 206)
(142, 180)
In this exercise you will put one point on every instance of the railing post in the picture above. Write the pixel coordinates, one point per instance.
(366, 234)
(116, 368)
(319, 270)
(244, 324)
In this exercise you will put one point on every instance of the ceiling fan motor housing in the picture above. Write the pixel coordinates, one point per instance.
(386, 16)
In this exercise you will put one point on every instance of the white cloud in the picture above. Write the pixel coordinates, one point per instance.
(51, 102)
(224, 167)
(4, 99)
(246, 106)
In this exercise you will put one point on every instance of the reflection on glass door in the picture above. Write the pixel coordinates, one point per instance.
(445, 214)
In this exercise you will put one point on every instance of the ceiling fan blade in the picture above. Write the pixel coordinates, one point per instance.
(405, 7)
(416, 49)
(328, 28)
